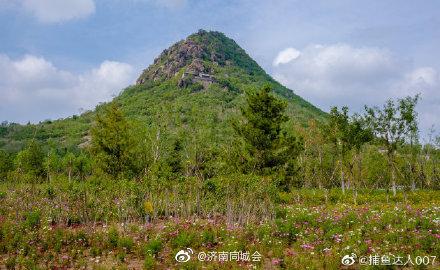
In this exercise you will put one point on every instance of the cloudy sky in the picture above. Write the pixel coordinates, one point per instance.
(60, 57)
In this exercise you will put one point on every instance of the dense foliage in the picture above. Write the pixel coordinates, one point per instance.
(198, 135)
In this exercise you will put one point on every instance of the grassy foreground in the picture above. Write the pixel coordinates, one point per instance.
(72, 226)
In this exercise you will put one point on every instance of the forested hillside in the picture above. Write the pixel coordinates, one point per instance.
(163, 90)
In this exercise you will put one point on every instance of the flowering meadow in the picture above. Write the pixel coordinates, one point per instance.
(72, 226)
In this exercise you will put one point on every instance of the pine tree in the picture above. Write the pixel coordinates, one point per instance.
(111, 142)
(30, 160)
(268, 148)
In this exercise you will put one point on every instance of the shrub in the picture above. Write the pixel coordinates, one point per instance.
(149, 262)
(126, 243)
(113, 237)
(183, 240)
(32, 219)
(95, 251)
(208, 237)
(121, 256)
(153, 247)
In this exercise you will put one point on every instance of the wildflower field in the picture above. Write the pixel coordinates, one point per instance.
(74, 226)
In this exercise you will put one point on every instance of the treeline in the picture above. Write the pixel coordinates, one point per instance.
(378, 149)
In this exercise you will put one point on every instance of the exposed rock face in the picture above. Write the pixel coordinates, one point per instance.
(191, 53)
(195, 61)
(170, 61)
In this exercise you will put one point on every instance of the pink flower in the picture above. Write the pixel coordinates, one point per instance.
(337, 238)
(290, 252)
(307, 246)
(173, 234)
(276, 261)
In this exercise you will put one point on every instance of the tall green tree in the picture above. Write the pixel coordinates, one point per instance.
(268, 148)
(111, 141)
(69, 163)
(336, 132)
(394, 124)
(82, 165)
(358, 134)
(345, 134)
(315, 160)
(51, 163)
(29, 161)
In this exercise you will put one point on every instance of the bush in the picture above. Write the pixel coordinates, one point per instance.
(149, 262)
(153, 247)
(208, 237)
(32, 219)
(126, 243)
(183, 240)
(113, 237)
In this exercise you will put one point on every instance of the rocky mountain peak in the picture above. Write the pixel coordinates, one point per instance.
(197, 55)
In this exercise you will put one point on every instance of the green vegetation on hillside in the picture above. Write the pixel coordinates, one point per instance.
(207, 151)
(234, 72)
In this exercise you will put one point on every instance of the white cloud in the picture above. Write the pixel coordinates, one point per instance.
(329, 72)
(339, 74)
(101, 83)
(286, 55)
(53, 11)
(33, 89)
(424, 75)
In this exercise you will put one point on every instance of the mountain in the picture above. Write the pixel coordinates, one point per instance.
(199, 81)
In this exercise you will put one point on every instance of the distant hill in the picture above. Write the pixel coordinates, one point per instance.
(197, 81)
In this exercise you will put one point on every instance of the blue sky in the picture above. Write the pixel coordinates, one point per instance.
(60, 57)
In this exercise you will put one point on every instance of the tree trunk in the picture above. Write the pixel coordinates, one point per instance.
(413, 176)
(342, 177)
(360, 180)
(320, 170)
(393, 181)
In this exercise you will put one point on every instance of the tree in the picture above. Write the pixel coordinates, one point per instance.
(337, 134)
(267, 146)
(82, 165)
(392, 125)
(5, 164)
(68, 164)
(51, 163)
(29, 161)
(314, 159)
(346, 133)
(111, 142)
(358, 134)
